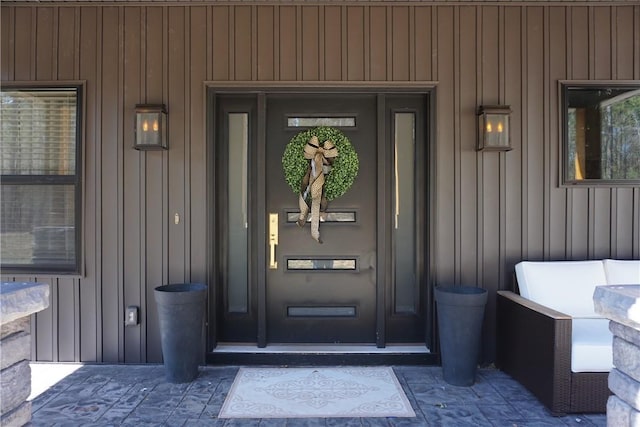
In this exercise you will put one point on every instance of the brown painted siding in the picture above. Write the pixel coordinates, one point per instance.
(492, 209)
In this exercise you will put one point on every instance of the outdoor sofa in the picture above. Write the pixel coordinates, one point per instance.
(549, 337)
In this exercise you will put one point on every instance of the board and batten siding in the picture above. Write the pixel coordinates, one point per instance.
(491, 209)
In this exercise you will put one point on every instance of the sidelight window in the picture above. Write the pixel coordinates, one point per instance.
(41, 179)
(404, 205)
(237, 187)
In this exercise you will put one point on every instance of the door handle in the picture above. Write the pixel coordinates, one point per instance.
(273, 240)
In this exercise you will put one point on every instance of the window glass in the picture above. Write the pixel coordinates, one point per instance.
(343, 122)
(325, 217)
(321, 264)
(237, 286)
(602, 134)
(406, 282)
(38, 132)
(40, 182)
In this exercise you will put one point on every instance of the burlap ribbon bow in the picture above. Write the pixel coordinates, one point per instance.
(320, 161)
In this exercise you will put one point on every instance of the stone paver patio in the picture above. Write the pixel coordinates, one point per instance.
(138, 395)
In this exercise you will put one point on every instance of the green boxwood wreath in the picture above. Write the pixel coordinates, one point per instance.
(345, 166)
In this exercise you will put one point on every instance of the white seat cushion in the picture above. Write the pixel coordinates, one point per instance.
(591, 343)
(565, 286)
(622, 272)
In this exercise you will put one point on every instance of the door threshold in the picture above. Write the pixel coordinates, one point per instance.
(321, 354)
(322, 348)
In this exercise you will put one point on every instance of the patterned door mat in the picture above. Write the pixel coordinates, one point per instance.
(316, 392)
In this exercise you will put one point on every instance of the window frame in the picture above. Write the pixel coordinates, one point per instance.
(563, 90)
(77, 180)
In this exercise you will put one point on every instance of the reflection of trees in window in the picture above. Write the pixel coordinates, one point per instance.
(603, 134)
(620, 128)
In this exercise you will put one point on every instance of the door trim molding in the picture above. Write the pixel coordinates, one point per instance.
(320, 86)
(383, 276)
(262, 90)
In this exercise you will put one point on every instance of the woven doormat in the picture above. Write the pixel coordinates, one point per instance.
(316, 392)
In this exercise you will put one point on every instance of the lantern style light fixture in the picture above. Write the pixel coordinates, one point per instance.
(493, 128)
(151, 127)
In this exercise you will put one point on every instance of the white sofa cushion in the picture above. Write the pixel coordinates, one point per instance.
(565, 286)
(591, 342)
(622, 272)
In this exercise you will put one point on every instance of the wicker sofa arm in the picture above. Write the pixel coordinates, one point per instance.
(534, 347)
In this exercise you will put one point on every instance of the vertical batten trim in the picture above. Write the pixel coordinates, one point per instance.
(186, 223)
(83, 216)
(12, 75)
(389, 15)
(344, 43)
(592, 41)
(412, 42)
(97, 136)
(142, 184)
(322, 55)
(276, 42)
(434, 42)
(366, 42)
(299, 41)
(569, 191)
(232, 43)
(546, 132)
(209, 42)
(165, 156)
(613, 227)
(457, 161)
(502, 174)
(76, 320)
(636, 222)
(254, 42)
(54, 283)
(143, 53)
(524, 135)
(636, 191)
(636, 48)
(98, 165)
(479, 155)
(591, 205)
(502, 63)
(120, 174)
(54, 35)
(613, 15)
(34, 45)
(591, 191)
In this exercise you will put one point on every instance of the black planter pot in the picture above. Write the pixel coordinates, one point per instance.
(181, 314)
(460, 315)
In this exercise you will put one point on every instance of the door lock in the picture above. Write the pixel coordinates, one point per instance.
(273, 240)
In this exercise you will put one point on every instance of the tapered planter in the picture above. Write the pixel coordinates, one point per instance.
(181, 314)
(460, 315)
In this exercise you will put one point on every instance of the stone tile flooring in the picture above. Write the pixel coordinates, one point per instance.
(138, 395)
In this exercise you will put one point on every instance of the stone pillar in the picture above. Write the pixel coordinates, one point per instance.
(621, 305)
(18, 301)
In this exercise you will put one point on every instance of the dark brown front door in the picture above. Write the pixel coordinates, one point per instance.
(323, 292)
(367, 281)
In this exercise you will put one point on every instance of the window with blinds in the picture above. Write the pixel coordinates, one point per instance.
(40, 179)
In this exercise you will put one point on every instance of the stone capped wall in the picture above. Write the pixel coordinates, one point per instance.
(18, 301)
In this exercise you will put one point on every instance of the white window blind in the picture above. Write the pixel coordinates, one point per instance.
(40, 191)
(38, 132)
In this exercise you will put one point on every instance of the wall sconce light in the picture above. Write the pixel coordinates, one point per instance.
(493, 128)
(151, 128)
